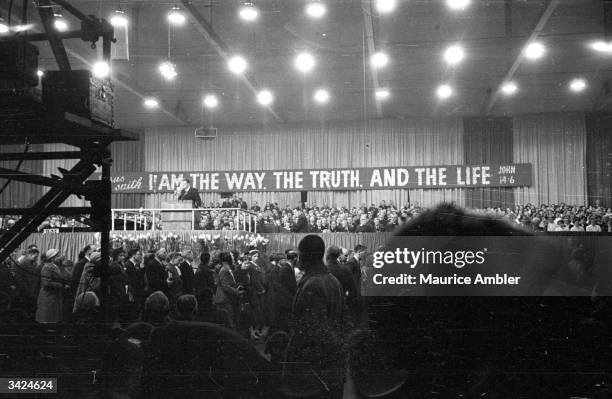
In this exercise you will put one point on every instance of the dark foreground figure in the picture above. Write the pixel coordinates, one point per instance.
(493, 347)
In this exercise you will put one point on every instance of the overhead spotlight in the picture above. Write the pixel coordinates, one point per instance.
(237, 65)
(119, 19)
(379, 59)
(454, 54)
(168, 70)
(534, 50)
(248, 12)
(150, 102)
(382, 94)
(577, 85)
(101, 69)
(602, 46)
(39, 73)
(265, 97)
(458, 5)
(304, 62)
(509, 88)
(211, 101)
(444, 91)
(386, 6)
(316, 9)
(21, 28)
(4, 28)
(176, 16)
(321, 96)
(59, 22)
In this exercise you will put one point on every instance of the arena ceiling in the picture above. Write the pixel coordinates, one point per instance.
(493, 34)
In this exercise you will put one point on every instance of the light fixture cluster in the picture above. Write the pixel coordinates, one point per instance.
(305, 62)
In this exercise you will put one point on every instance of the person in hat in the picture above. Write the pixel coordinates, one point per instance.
(90, 280)
(53, 282)
(318, 312)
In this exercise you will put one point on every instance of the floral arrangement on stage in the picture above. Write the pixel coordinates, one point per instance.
(173, 242)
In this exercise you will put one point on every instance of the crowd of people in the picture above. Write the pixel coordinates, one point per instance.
(255, 295)
(175, 313)
(387, 217)
(384, 217)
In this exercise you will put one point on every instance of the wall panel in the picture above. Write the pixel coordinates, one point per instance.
(17, 194)
(488, 140)
(599, 158)
(555, 144)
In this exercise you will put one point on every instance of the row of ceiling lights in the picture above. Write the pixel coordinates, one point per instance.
(248, 12)
(322, 96)
(305, 62)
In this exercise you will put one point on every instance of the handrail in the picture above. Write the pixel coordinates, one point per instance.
(145, 216)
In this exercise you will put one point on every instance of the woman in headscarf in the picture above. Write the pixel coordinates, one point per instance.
(53, 282)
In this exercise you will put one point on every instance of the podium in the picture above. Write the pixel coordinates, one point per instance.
(176, 220)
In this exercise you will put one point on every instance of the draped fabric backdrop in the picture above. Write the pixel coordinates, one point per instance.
(127, 157)
(17, 194)
(488, 140)
(556, 146)
(554, 143)
(422, 141)
(599, 158)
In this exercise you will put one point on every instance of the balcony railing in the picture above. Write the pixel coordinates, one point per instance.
(148, 219)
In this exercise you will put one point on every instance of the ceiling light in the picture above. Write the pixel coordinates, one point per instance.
(321, 96)
(316, 9)
(444, 91)
(602, 46)
(150, 102)
(119, 19)
(454, 54)
(382, 94)
(265, 97)
(534, 50)
(385, 6)
(168, 70)
(577, 85)
(237, 65)
(379, 59)
(509, 88)
(176, 16)
(211, 101)
(59, 22)
(304, 62)
(101, 69)
(4, 28)
(248, 12)
(458, 4)
(39, 73)
(22, 28)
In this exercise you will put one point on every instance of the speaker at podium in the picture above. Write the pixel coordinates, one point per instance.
(176, 220)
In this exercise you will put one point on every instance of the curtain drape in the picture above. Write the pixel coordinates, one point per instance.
(422, 141)
(556, 146)
(599, 158)
(488, 140)
(18, 194)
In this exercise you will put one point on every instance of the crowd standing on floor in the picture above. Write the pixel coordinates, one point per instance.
(180, 316)
(252, 294)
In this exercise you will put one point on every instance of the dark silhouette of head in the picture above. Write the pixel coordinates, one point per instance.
(311, 251)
